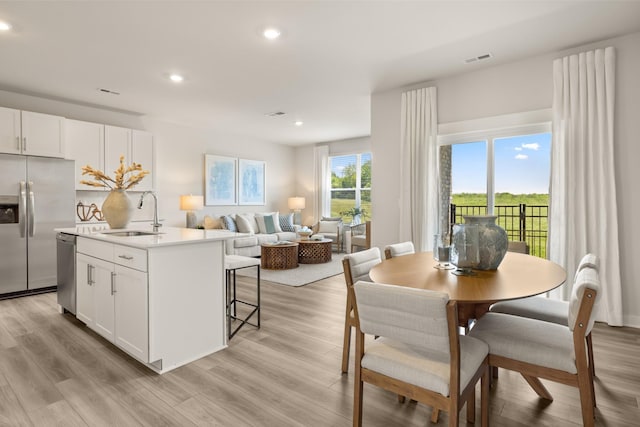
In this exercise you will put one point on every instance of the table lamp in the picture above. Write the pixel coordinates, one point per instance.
(296, 204)
(191, 203)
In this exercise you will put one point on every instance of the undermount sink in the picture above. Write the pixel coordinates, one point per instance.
(131, 233)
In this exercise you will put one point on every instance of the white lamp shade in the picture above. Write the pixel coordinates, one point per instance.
(296, 203)
(191, 203)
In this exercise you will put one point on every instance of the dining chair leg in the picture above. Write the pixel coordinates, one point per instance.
(435, 414)
(538, 387)
(484, 397)
(586, 398)
(592, 366)
(346, 344)
(471, 407)
(401, 398)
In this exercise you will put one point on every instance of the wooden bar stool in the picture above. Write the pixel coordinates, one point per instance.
(233, 263)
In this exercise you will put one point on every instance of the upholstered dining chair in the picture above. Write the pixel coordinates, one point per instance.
(550, 310)
(399, 249)
(539, 349)
(356, 267)
(418, 353)
(361, 236)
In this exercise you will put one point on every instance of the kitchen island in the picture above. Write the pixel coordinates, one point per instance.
(159, 296)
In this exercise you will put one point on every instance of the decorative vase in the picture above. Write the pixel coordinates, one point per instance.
(117, 209)
(465, 246)
(356, 219)
(492, 241)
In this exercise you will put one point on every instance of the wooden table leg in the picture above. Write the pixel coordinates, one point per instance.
(538, 387)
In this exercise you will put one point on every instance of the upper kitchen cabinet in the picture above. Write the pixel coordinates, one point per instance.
(26, 132)
(135, 145)
(142, 153)
(85, 144)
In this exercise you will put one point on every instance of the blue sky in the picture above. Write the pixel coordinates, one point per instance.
(522, 165)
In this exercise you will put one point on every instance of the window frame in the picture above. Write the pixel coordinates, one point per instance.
(358, 189)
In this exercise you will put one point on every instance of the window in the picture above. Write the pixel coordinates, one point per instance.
(351, 185)
(504, 173)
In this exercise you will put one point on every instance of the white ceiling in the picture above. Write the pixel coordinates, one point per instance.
(331, 56)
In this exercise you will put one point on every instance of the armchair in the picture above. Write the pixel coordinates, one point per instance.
(330, 228)
(361, 236)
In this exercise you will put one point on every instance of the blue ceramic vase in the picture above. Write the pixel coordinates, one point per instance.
(492, 241)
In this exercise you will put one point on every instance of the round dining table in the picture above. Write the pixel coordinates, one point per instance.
(517, 276)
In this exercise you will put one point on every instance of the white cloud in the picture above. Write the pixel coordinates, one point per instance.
(533, 146)
(521, 156)
(518, 148)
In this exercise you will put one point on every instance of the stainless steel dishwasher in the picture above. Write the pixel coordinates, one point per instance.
(66, 273)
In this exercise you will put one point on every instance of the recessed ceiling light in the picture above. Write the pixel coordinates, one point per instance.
(299, 123)
(176, 78)
(4, 26)
(271, 33)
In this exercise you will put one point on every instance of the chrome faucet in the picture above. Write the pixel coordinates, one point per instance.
(155, 224)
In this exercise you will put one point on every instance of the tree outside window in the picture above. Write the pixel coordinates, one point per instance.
(351, 186)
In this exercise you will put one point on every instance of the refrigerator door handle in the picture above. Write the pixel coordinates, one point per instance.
(22, 208)
(32, 208)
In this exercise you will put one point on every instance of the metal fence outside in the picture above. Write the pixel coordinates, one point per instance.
(522, 222)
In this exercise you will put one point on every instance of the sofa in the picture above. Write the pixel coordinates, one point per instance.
(256, 229)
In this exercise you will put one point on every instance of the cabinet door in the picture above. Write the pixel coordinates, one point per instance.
(104, 288)
(131, 304)
(142, 153)
(117, 142)
(85, 274)
(84, 143)
(10, 138)
(42, 134)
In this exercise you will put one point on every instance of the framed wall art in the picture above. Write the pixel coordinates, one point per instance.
(220, 180)
(251, 182)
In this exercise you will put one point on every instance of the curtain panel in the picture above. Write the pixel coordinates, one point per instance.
(419, 180)
(583, 210)
(322, 178)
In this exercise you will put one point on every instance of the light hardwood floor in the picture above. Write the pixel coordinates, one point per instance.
(54, 371)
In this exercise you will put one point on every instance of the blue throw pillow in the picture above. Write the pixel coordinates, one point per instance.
(229, 223)
(286, 222)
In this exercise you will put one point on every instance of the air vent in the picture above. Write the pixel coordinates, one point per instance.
(112, 92)
(478, 58)
(275, 114)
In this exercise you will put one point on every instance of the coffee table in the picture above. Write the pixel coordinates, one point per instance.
(314, 251)
(279, 257)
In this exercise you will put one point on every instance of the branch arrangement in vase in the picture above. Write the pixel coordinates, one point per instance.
(125, 176)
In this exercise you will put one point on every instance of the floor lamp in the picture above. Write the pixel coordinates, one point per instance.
(296, 204)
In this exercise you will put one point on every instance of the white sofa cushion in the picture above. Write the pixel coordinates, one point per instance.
(246, 223)
(266, 238)
(243, 242)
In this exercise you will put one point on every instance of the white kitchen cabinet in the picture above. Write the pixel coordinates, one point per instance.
(142, 153)
(10, 135)
(36, 134)
(112, 299)
(85, 144)
(135, 146)
(117, 142)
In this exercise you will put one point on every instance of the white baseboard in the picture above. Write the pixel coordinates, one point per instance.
(631, 321)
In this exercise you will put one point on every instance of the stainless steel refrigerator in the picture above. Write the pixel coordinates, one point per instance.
(37, 194)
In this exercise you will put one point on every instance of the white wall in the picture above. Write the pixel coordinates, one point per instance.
(179, 158)
(516, 87)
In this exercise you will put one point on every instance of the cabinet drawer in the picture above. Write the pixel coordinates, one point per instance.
(130, 257)
(95, 248)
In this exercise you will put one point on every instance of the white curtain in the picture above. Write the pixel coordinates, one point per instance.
(322, 177)
(419, 183)
(583, 215)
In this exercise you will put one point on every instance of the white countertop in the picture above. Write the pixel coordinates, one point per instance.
(165, 236)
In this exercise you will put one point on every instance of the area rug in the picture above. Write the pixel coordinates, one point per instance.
(303, 275)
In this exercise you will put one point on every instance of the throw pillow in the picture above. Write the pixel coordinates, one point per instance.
(229, 223)
(246, 223)
(286, 222)
(269, 223)
(212, 223)
(328, 227)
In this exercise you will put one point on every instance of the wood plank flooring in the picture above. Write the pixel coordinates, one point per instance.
(55, 371)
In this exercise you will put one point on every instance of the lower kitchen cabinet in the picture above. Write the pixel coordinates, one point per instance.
(113, 301)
